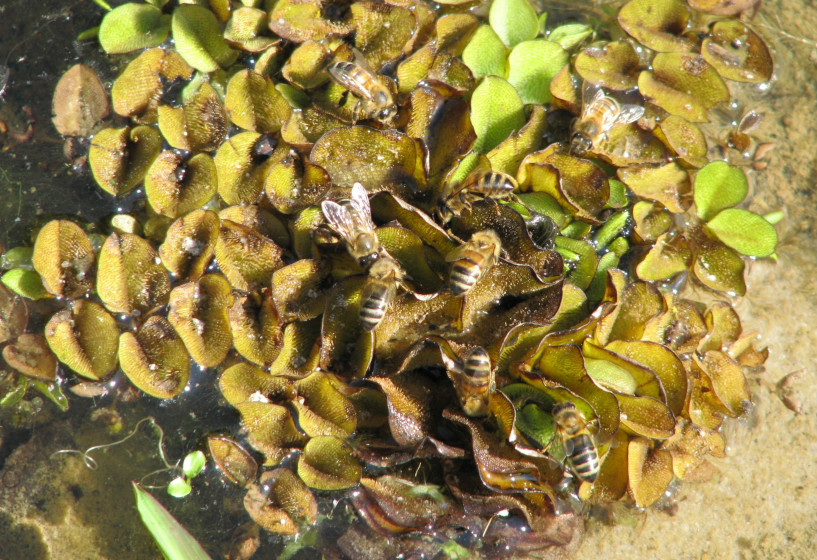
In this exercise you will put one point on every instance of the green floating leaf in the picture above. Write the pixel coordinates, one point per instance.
(131, 27)
(485, 54)
(24, 282)
(179, 487)
(533, 64)
(173, 540)
(513, 20)
(718, 186)
(496, 112)
(52, 392)
(198, 39)
(570, 35)
(744, 231)
(194, 463)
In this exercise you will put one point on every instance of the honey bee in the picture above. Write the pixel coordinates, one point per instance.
(474, 381)
(582, 456)
(352, 220)
(384, 277)
(470, 260)
(493, 185)
(600, 115)
(376, 101)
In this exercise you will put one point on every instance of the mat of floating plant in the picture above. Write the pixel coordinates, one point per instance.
(620, 366)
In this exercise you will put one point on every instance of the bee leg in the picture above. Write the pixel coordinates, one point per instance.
(357, 112)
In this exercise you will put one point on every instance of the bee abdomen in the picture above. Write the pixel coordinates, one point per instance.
(584, 459)
(464, 275)
(477, 368)
(372, 310)
(495, 184)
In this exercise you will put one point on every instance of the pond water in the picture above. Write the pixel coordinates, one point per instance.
(760, 503)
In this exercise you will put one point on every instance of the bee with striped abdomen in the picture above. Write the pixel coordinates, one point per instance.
(473, 380)
(375, 98)
(352, 220)
(471, 260)
(600, 114)
(384, 277)
(580, 450)
(480, 184)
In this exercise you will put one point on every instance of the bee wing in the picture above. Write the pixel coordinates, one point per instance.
(629, 113)
(339, 218)
(360, 206)
(348, 81)
(457, 253)
(591, 94)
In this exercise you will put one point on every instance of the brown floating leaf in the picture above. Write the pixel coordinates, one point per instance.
(137, 90)
(270, 428)
(719, 267)
(300, 21)
(381, 31)
(241, 167)
(253, 103)
(377, 159)
(281, 502)
(614, 65)
(120, 157)
(80, 101)
(322, 409)
(130, 276)
(299, 355)
(689, 447)
(245, 382)
(175, 187)
(259, 220)
(657, 24)
(328, 464)
(198, 312)
(64, 259)
(409, 400)
(246, 258)
(723, 328)
(738, 53)
(650, 472)
(85, 338)
(392, 505)
(190, 244)
(294, 183)
(200, 125)
(646, 416)
(257, 330)
(233, 460)
(683, 84)
(31, 356)
(669, 184)
(723, 7)
(611, 483)
(637, 303)
(578, 184)
(346, 348)
(155, 359)
(300, 289)
(728, 380)
(245, 29)
(679, 328)
(433, 64)
(685, 139)
(13, 314)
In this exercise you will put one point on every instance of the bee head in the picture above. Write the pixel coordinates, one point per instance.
(580, 144)
(387, 114)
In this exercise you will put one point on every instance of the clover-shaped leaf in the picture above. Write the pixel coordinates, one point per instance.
(513, 20)
(718, 186)
(744, 231)
(496, 112)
